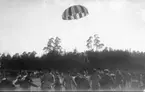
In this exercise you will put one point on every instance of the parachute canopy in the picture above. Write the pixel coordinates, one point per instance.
(75, 12)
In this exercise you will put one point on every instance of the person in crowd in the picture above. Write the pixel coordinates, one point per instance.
(47, 81)
(81, 82)
(95, 78)
(68, 81)
(25, 82)
(106, 81)
(6, 84)
(57, 84)
(119, 79)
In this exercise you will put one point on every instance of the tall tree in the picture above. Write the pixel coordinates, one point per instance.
(50, 45)
(57, 46)
(89, 43)
(97, 44)
(93, 43)
(53, 45)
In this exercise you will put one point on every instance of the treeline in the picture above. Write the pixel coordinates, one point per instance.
(55, 58)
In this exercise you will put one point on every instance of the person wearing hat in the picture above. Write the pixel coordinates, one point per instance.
(106, 81)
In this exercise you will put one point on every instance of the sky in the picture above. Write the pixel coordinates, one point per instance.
(26, 25)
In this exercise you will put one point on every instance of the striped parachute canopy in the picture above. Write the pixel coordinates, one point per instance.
(75, 12)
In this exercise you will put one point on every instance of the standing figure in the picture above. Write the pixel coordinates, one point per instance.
(47, 81)
(25, 82)
(82, 83)
(68, 82)
(106, 81)
(95, 78)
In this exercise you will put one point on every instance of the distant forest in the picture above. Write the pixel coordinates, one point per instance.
(57, 58)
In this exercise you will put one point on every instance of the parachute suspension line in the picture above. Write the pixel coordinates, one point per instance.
(74, 13)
